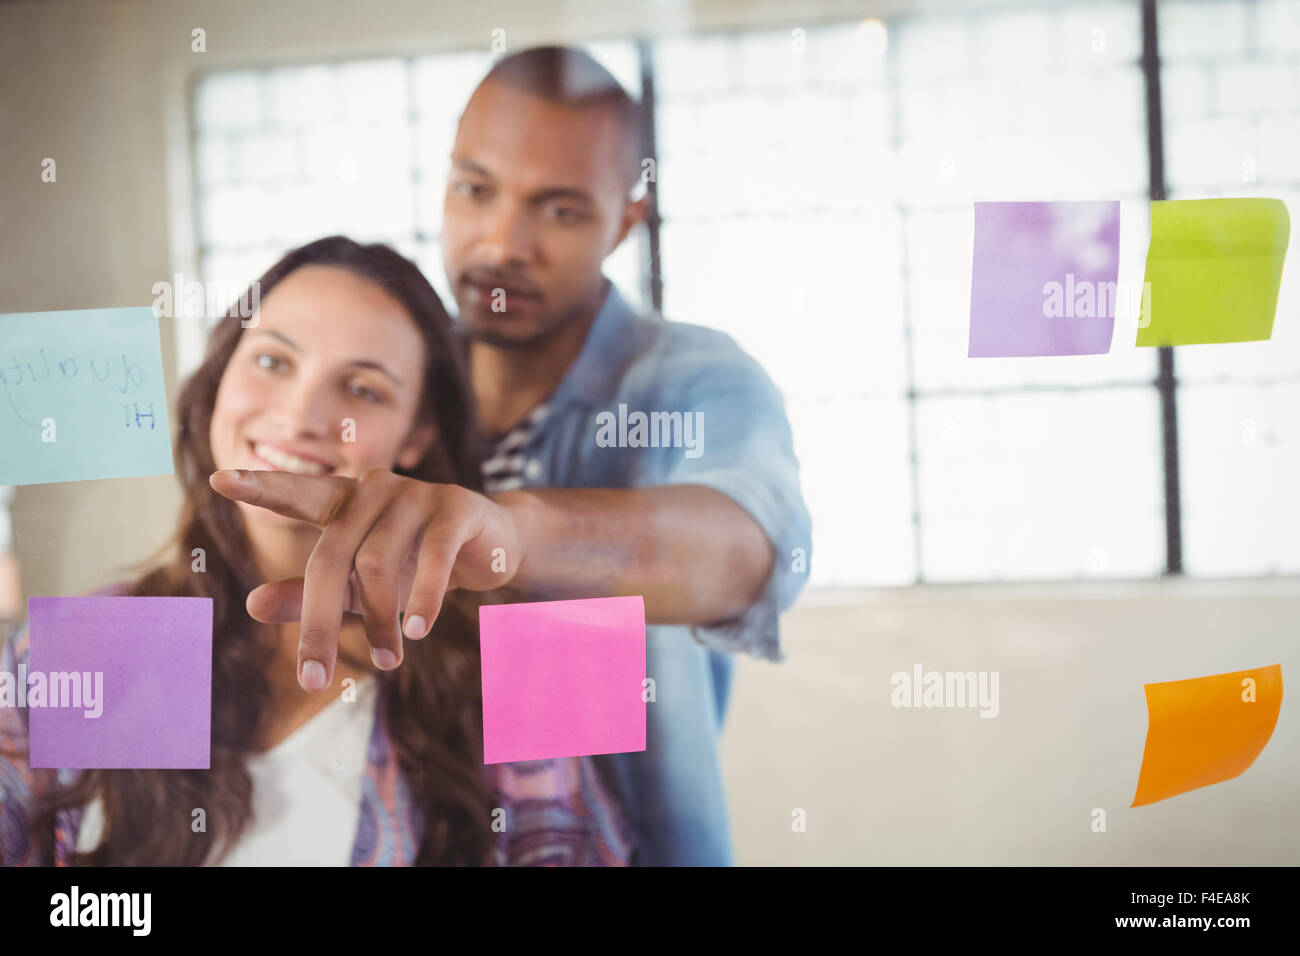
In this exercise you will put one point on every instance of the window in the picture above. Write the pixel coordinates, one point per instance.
(815, 194)
(817, 206)
(286, 155)
(1231, 81)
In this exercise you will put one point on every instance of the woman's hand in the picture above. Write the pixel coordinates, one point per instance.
(389, 543)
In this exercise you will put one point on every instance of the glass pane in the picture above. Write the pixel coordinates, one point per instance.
(444, 83)
(1232, 128)
(825, 318)
(1240, 451)
(228, 101)
(856, 481)
(1191, 28)
(1041, 486)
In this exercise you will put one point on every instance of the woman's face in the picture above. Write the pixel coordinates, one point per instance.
(326, 383)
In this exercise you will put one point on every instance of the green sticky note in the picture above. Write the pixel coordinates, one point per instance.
(1213, 270)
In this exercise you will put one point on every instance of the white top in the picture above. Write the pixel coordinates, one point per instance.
(306, 791)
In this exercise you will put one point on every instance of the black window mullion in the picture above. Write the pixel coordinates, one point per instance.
(651, 152)
(1166, 381)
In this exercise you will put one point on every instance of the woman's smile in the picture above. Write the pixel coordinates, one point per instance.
(269, 456)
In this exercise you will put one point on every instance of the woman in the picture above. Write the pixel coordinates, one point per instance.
(350, 366)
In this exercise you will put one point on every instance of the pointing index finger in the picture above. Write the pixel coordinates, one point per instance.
(311, 498)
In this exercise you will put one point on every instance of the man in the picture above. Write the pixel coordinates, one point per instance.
(545, 159)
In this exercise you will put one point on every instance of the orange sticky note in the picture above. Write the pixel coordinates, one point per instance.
(1206, 730)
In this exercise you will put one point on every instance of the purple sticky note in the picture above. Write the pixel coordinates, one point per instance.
(562, 678)
(127, 682)
(1044, 278)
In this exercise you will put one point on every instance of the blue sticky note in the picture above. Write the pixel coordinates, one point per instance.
(82, 396)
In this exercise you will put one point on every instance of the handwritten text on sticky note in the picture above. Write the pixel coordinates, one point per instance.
(82, 396)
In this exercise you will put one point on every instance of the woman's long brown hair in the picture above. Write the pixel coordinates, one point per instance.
(433, 699)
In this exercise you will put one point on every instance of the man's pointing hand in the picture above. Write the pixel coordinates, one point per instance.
(389, 543)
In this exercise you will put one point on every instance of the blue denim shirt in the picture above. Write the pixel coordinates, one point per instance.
(674, 791)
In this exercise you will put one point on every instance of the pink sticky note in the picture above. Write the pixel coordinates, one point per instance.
(143, 664)
(562, 678)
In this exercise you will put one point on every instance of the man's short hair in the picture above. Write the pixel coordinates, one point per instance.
(572, 77)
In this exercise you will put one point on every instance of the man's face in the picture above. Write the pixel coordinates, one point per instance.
(536, 200)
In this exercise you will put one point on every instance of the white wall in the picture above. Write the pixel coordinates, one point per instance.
(886, 785)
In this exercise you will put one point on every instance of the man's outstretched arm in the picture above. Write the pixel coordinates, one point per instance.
(694, 554)
(394, 545)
